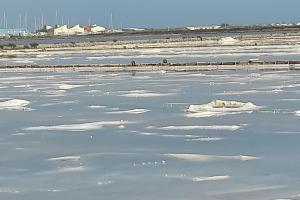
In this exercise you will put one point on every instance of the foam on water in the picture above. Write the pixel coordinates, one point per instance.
(65, 158)
(71, 169)
(59, 103)
(211, 127)
(143, 94)
(205, 139)
(210, 178)
(198, 179)
(14, 104)
(133, 111)
(97, 107)
(9, 190)
(68, 87)
(206, 158)
(78, 127)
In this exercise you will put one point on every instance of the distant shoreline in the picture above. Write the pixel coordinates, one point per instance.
(188, 67)
(281, 41)
(260, 29)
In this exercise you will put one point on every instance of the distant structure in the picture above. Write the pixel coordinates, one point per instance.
(208, 27)
(13, 32)
(133, 29)
(65, 30)
(94, 29)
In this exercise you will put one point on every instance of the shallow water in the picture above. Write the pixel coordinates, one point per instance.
(82, 137)
(156, 55)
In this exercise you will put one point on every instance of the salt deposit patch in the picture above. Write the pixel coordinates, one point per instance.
(198, 179)
(14, 104)
(55, 92)
(101, 183)
(68, 164)
(228, 41)
(59, 103)
(220, 108)
(134, 111)
(213, 127)
(210, 178)
(143, 94)
(78, 127)
(68, 87)
(9, 190)
(207, 158)
(65, 158)
(97, 107)
(71, 169)
(204, 139)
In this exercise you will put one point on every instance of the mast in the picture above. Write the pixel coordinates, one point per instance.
(111, 20)
(56, 14)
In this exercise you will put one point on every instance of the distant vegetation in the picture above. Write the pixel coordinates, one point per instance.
(34, 45)
(12, 46)
(9, 46)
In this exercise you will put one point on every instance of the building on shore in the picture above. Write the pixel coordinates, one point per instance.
(76, 30)
(94, 29)
(209, 27)
(65, 30)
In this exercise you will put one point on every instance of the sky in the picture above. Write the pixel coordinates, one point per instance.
(148, 13)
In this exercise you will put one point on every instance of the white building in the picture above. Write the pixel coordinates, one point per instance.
(59, 30)
(97, 29)
(76, 30)
(64, 30)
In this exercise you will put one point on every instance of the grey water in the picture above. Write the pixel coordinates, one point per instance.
(155, 55)
(43, 156)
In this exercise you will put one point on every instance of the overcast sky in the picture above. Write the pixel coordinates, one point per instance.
(152, 13)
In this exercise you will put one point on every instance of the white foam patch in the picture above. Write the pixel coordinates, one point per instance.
(78, 127)
(23, 86)
(59, 103)
(71, 169)
(205, 139)
(212, 127)
(198, 179)
(210, 178)
(97, 107)
(102, 183)
(68, 87)
(67, 164)
(14, 104)
(229, 93)
(297, 113)
(65, 158)
(9, 190)
(143, 94)
(283, 199)
(55, 92)
(220, 108)
(134, 111)
(23, 61)
(206, 158)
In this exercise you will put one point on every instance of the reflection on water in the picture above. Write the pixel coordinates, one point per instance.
(117, 136)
